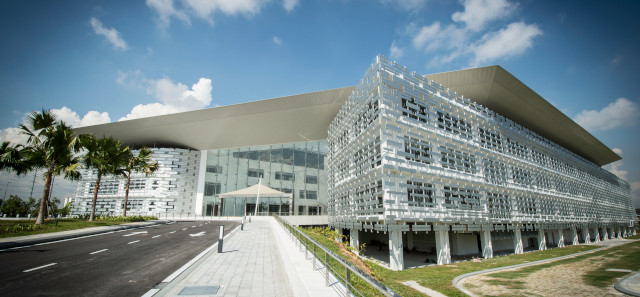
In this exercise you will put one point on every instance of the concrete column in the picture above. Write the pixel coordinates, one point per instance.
(619, 232)
(560, 237)
(542, 242)
(633, 232)
(410, 244)
(443, 248)
(354, 240)
(605, 235)
(396, 259)
(611, 234)
(625, 232)
(517, 239)
(339, 238)
(585, 235)
(596, 234)
(574, 234)
(487, 248)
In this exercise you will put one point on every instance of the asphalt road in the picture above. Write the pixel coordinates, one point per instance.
(123, 263)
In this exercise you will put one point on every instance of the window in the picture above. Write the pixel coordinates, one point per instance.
(252, 172)
(285, 176)
(418, 150)
(211, 189)
(308, 194)
(311, 179)
(214, 168)
(313, 210)
(454, 125)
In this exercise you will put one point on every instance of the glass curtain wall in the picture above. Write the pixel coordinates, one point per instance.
(295, 168)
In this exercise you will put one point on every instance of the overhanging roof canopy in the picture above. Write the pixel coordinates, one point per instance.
(503, 93)
(252, 191)
(296, 118)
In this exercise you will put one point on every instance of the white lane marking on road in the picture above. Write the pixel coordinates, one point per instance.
(40, 267)
(197, 234)
(156, 236)
(193, 226)
(100, 251)
(172, 232)
(133, 241)
(184, 229)
(200, 225)
(135, 233)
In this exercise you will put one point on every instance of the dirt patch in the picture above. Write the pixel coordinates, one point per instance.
(560, 280)
(354, 259)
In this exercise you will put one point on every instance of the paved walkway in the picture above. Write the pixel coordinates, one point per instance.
(261, 260)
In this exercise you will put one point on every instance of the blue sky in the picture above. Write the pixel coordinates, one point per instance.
(100, 61)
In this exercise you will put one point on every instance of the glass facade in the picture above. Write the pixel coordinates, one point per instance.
(295, 168)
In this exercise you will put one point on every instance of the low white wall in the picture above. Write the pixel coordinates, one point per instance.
(306, 220)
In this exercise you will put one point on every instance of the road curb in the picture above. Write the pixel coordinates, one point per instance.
(622, 287)
(162, 288)
(19, 243)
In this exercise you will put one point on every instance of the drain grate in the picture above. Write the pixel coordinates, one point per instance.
(199, 290)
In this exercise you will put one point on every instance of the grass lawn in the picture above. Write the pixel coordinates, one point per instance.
(12, 228)
(440, 278)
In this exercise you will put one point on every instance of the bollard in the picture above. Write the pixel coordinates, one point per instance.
(242, 225)
(220, 239)
(249, 218)
(347, 280)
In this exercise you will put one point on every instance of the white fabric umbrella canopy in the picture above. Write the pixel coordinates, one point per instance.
(252, 191)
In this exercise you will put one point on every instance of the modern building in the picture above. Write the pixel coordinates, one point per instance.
(438, 166)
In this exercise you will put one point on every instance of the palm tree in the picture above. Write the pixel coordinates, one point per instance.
(51, 145)
(105, 155)
(140, 163)
(11, 158)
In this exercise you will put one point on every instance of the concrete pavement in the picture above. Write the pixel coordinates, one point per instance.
(261, 260)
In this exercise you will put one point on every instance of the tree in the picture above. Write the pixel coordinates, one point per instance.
(105, 155)
(11, 158)
(140, 163)
(51, 145)
(66, 209)
(13, 206)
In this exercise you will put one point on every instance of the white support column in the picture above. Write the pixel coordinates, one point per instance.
(619, 232)
(633, 232)
(560, 237)
(542, 242)
(605, 235)
(443, 248)
(340, 235)
(202, 171)
(596, 234)
(625, 232)
(574, 234)
(396, 259)
(354, 240)
(518, 247)
(586, 235)
(487, 247)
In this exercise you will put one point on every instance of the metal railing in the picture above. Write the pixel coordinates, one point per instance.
(346, 273)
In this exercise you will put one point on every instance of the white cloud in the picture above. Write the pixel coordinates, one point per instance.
(112, 35)
(277, 40)
(436, 37)
(620, 113)
(12, 135)
(477, 13)
(205, 9)
(289, 5)
(165, 11)
(511, 41)
(173, 97)
(90, 118)
(616, 167)
(395, 52)
(409, 5)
